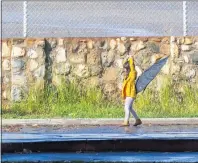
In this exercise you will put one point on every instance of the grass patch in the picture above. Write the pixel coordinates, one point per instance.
(71, 101)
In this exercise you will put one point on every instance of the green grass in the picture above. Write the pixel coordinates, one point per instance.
(71, 101)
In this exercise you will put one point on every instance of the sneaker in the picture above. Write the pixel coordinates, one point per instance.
(125, 123)
(137, 122)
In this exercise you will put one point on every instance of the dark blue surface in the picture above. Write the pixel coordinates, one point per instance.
(149, 75)
(105, 157)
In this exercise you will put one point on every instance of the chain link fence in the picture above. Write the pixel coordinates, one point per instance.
(192, 18)
(106, 18)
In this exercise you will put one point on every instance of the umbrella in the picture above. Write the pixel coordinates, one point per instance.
(148, 75)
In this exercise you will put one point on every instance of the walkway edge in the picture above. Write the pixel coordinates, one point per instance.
(107, 121)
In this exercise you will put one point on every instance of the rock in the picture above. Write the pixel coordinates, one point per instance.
(138, 70)
(110, 74)
(166, 68)
(32, 54)
(180, 87)
(17, 41)
(191, 74)
(40, 43)
(185, 47)
(144, 39)
(82, 47)
(155, 39)
(57, 80)
(60, 42)
(61, 55)
(81, 71)
(175, 69)
(188, 71)
(113, 44)
(110, 88)
(6, 65)
(123, 38)
(5, 50)
(19, 79)
(108, 58)
(40, 52)
(165, 40)
(77, 58)
(186, 58)
(118, 40)
(39, 84)
(17, 65)
(16, 94)
(30, 42)
(179, 40)
(166, 49)
(179, 60)
(63, 68)
(161, 82)
(5, 95)
(95, 70)
(153, 47)
(18, 51)
(94, 81)
(53, 42)
(195, 45)
(6, 80)
(194, 57)
(187, 41)
(101, 44)
(90, 44)
(156, 57)
(176, 51)
(33, 65)
(93, 58)
(118, 63)
(137, 46)
(142, 58)
(91, 82)
(40, 72)
(120, 83)
(121, 48)
(133, 39)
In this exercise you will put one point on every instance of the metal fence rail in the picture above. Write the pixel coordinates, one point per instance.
(99, 18)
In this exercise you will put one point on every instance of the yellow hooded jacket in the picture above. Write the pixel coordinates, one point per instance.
(128, 88)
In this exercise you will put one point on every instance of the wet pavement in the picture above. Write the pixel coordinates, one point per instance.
(104, 129)
(136, 157)
(37, 133)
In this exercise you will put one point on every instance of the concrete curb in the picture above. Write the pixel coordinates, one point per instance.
(105, 121)
(106, 145)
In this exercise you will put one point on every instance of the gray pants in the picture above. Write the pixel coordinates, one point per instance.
(128, 108)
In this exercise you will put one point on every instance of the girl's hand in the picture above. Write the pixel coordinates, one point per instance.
(131, 54)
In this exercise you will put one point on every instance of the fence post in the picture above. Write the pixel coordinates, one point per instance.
(25, 19)
(184, 18)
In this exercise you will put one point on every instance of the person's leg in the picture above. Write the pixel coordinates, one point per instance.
(127, 106)
(137, 119)
(132, 110)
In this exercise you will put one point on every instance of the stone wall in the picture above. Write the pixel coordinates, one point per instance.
(92, 62)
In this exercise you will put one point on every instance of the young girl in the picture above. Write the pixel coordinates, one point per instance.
(129, 91)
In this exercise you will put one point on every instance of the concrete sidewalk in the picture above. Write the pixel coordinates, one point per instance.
(104, 121)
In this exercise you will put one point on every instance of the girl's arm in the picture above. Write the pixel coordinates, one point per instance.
(138, 68)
